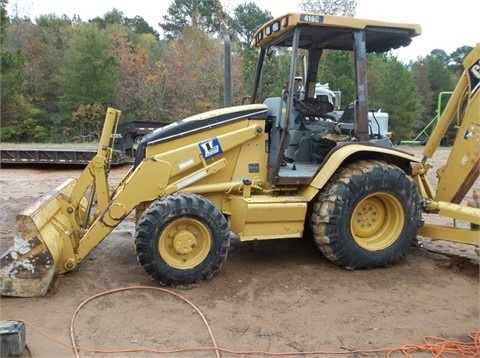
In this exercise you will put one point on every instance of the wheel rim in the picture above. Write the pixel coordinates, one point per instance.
(138, 139)
(185, 243)
(377, 221)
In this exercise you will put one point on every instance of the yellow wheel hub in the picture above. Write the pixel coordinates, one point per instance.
(377, 221)
(185, 243)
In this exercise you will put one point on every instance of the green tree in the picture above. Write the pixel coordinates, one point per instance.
(440, 77)
(18, 115)
(116, 17)
(140, 26)
(421, 78)
(391, 88)
(247, 18)
(4, 19)
(110, 18)
(56, 30)
(456, 59)
(330, 7)
(88, 72)
(42, 46)
(275, 73)
(337, 69)
(14, 106)
(205, 15)
(12, 79)
(434, 74)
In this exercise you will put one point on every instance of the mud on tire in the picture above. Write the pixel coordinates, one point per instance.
(366, 215)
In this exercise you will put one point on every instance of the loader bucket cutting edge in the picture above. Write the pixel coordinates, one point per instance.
(28, 268)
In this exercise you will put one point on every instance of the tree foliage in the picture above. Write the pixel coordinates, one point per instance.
(434, 77)
(247, 18)
(139, 77)
(86, 123)
(391, 89)
(456, 59)
(89, 74)
(421, 79)
(195, 70)
(42, 47)
(337, 70)
(116, 17)
(205, 15)
(439, 76)
(58, 74)
(330, 7)
(16, 110)
(12, 87)
(4, 19)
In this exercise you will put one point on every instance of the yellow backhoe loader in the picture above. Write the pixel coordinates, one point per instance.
(261, 171)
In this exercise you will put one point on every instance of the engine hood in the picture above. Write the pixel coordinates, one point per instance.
(197, 123)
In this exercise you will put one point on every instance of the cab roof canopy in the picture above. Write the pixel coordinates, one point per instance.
(334, 32)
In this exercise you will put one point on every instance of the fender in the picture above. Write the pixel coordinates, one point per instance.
(354, 151)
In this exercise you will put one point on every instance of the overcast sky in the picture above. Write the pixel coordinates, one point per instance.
(445, 25)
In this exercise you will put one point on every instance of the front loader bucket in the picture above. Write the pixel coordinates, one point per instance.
(41, 246)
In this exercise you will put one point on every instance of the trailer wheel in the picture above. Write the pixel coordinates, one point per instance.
(367, 215)
(181, 239)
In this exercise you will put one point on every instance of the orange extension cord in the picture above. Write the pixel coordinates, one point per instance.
(437, 347)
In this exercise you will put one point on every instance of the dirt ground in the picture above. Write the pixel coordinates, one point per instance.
(276, 296)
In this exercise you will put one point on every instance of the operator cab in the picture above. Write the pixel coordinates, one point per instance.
(305, 130)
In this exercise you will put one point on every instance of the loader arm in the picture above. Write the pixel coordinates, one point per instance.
(94, 178)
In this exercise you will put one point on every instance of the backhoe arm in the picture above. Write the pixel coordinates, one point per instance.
(463, 165)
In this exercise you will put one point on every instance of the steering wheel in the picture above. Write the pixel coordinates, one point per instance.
(300, 106)
(312, 107)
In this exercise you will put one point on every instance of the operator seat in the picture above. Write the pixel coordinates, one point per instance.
(276, 108)
(348, 115)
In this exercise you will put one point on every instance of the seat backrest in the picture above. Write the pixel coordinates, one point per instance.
(278, 108)
(348, 115)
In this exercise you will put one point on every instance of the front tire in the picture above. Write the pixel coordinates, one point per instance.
(181, 239)
(367, 215)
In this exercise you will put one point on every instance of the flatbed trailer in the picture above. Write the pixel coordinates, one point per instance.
(128, 136)
(35, 153)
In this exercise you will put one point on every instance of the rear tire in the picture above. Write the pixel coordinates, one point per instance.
(181, 239)
(367, 215)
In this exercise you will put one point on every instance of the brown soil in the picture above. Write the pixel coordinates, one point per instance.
(276, 296)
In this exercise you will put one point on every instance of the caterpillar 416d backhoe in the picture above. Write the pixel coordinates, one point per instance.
(259, 171)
